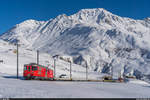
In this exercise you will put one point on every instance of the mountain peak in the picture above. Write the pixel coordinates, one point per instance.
(61, 16)
(147, 19)
(94, 10)
(30, 22)
(95, 16)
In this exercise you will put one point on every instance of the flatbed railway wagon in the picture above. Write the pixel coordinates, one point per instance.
(34, 71)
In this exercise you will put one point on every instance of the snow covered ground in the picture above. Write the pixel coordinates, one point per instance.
(18, 88)
(10, 87)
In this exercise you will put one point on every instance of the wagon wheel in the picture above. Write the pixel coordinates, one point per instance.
(29, 77)
(25, 78)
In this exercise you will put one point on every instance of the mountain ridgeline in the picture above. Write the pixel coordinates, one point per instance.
(93, 36)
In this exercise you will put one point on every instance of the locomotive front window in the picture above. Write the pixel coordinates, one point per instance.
(34, 68)
(29, 68)
(25, 68)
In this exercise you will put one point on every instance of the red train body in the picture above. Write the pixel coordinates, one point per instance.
(34, 71)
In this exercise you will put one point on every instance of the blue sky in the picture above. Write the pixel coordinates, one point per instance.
(13, 12)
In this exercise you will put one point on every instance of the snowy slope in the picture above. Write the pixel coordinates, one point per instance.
(26, 56)
(95, 36)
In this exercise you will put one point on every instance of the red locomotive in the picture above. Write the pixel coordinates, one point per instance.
(34, 71)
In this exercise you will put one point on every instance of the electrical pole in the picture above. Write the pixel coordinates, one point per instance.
(70, 71)
(17, 60)
(37, 57)
(86, 71)
(90, 61)
(112, 71)
(110, 65)
(54, 68)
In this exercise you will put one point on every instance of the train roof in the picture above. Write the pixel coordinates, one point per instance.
(34, 64)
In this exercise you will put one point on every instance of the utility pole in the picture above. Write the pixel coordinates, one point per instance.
(112, 71)
(90, 61)
(70, 71)
(86, 71)
(37, 57)
(110, 65)
(17, 60)
(54, 68)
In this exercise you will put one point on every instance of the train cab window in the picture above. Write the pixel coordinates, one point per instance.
(49, 71)
(40, 68)
(25, 68)
(34, 68)
(29, 68)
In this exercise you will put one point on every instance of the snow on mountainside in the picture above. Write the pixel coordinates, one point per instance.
(95, 36)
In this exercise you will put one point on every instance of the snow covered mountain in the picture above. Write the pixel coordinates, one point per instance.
(104, 40)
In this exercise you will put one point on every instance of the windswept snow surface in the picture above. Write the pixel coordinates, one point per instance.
(18, 88)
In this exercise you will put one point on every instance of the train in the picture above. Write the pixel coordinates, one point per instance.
(36, 71)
